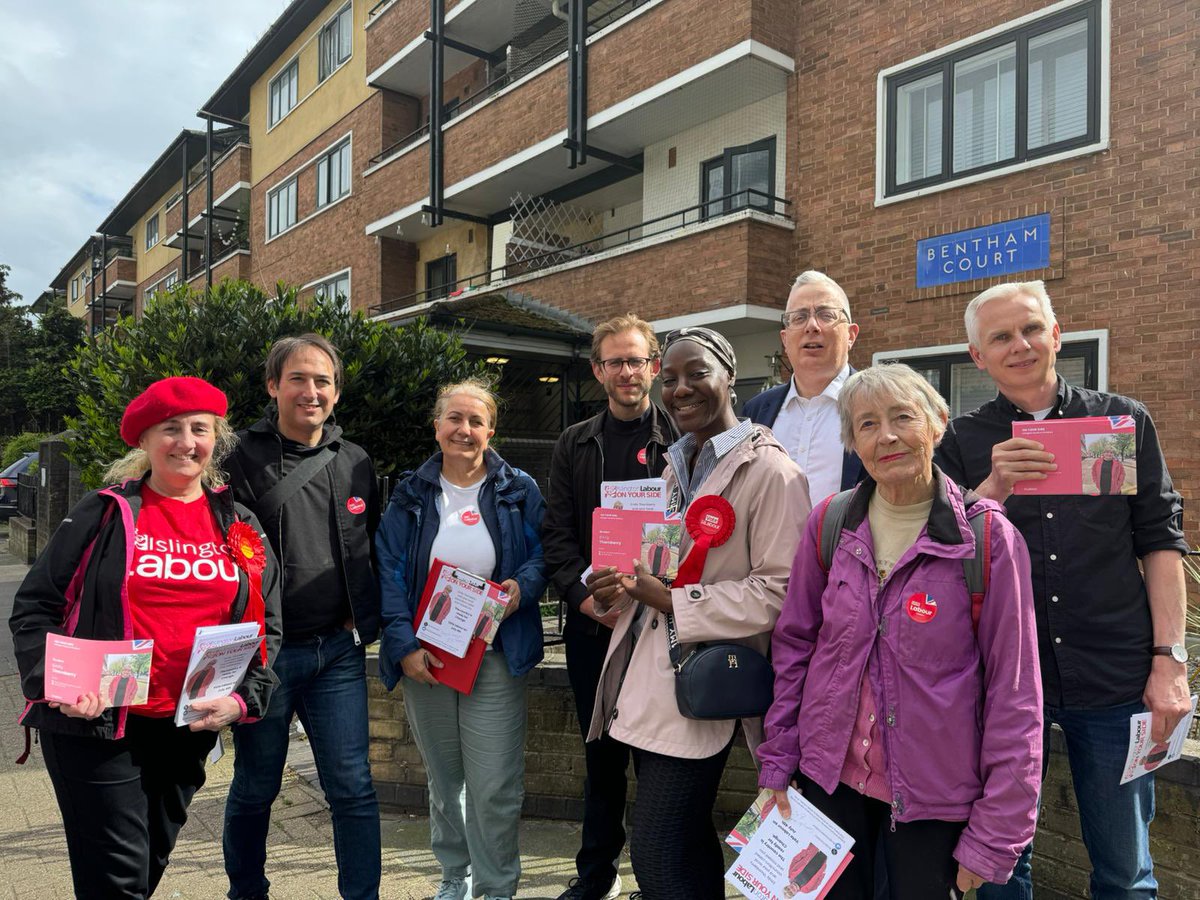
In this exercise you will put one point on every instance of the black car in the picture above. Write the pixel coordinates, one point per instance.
(8, 484)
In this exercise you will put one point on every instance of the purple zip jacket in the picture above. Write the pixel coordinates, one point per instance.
(961, 713)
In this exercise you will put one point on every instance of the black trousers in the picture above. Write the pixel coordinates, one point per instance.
(917, 856)
(675, 850)
(123, 802)
(606, 762)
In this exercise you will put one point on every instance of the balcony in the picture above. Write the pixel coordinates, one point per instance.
(731, 250)
(663, 69)
(231, 196)
(120, 269)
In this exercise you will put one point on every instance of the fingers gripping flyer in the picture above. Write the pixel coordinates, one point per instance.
(801, 856)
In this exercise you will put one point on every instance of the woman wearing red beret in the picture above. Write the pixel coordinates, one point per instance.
(162, 551)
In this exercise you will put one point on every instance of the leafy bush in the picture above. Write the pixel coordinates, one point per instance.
(391, 373)
(25, 442)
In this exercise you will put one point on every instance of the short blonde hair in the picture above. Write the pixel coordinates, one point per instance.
(619, 325)
(136, 462)
(1034, 289)
(473, 387)
(896, 381)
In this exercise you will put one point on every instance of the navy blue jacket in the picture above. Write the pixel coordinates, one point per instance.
(763, 409)
(512, 508)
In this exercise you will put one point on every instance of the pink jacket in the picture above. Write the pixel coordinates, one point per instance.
(961, 713)
(738, 599)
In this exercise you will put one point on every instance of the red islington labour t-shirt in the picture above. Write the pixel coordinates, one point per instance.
(182, 578)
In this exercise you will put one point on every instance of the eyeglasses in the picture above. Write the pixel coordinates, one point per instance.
(826, 315)
(636, 364)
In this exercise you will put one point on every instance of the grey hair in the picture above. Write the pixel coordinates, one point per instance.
(898, 382)
(812, 276)
(136, 462)
(1034, 289)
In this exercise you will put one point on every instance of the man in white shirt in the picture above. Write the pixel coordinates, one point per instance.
(817, 336)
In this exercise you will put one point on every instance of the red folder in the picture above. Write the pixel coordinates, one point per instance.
(458, 673)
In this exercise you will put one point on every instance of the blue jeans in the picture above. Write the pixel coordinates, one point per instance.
(323, 680)
(1114, 818)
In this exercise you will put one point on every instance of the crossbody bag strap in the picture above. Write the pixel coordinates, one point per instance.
(284, 489)
(674, 650)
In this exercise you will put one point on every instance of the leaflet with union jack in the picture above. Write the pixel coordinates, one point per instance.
(1095, 456)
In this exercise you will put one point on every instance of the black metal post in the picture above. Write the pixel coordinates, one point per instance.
(579, 18)
(208, 207)
(183, 256)
(104, 275)
(92, 283)
(572, 141)
(437, 23)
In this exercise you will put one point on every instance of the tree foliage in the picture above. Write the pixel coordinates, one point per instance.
(391, 373)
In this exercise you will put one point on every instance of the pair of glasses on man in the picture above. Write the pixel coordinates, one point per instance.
(825, 315)
(636, 364)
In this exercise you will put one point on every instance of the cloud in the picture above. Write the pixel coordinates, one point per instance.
(90, 94)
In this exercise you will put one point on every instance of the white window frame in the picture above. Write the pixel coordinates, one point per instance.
(274, 228)
(295, 174)
(1104, 17)
(152, 241)
(291, 72)
(330, 280)
(333, 30)
(74, 288)
(326, 176)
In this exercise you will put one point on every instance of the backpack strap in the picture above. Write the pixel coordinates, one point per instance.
(977, 568)
(830, 521)
(283, 490)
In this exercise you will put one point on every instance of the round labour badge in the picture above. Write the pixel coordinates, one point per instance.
(469, 517)
(641, 456)
(356, 505)
(921, 608)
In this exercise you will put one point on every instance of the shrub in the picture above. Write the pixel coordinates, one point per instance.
(23, 443)
(391, 373)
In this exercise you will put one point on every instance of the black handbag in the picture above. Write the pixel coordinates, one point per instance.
(720, 680)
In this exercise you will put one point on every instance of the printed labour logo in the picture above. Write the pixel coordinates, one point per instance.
(174, 560)
(921, 608)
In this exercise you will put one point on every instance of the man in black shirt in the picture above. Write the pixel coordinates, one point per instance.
(625, 441)
(1110, 635)
(316, 496)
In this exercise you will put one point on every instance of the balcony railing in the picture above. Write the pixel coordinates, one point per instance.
(221, 253)
(119, 248)
(713, 209)
(601, 20)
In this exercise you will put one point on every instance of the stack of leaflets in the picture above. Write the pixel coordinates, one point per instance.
(632, 523)
(1144, 754)
(220, 656)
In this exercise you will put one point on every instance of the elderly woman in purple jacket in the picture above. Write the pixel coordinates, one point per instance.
(907, 717)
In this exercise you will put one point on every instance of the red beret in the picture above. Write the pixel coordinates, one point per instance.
(167, 398)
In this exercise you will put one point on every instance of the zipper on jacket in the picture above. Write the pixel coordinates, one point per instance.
(897, 809)
(354, 631)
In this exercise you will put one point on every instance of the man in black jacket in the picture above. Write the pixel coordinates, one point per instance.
(625, 441)
(316, 496)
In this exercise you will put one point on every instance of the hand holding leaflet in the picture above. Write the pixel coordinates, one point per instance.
(117, 672)
(220, 656)
(1144, 754)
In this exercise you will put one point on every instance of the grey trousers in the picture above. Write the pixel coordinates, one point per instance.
(473, 746)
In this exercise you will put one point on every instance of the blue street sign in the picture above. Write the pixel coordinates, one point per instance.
(1000, 249)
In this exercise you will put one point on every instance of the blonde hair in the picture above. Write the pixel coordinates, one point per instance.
(472, 387)
(136, 462)
(1034, 289)
(620, 325)
(898, 381)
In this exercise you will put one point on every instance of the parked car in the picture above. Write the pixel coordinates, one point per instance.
(8, 484)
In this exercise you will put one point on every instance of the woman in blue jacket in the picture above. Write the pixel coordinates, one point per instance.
(467, 507)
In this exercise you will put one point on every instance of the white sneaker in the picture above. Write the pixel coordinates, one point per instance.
(452, 889)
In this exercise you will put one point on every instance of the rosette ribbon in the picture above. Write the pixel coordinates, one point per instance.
(246, 548)
(709, 520)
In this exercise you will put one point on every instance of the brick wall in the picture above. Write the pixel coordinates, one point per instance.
(394, 28)
(1127, 253)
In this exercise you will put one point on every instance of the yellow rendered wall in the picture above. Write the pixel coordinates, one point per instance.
(472, 257)
(319, 105)
(78, 307)
(150, 261)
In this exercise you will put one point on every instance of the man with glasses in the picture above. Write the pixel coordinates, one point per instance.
(625, 441)
(817, 336)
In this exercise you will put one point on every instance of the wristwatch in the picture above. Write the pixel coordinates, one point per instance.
(1177, 652)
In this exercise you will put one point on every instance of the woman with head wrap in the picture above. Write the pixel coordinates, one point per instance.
(736, 476)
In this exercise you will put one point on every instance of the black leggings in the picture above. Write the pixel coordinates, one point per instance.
(674, 848)
(123, 802)
(917, 856)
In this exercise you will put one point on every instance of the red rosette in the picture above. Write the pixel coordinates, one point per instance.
(246, 548)
(249, 555)
(709, 520)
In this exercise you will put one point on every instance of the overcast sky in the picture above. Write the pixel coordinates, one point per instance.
(91, 92)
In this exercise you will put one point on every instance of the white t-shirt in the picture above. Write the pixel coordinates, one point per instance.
(463, 539)
(811, 433)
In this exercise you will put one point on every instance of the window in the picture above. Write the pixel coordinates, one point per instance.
(966, 387)
(152, 231)
(281, 208)
(336, 41)
(74, 289)
(333, 174)
(283, 91)
(738, 178)
(335, 286)
(170, 281)
(440, 275)
(1025, 93)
